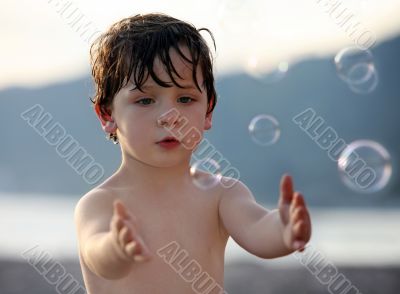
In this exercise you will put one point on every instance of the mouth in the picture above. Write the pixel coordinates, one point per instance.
(168, 140)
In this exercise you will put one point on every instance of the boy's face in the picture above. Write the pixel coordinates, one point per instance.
(139, 116)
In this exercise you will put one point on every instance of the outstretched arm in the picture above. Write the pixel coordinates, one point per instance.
(264, 233)
(108, 237)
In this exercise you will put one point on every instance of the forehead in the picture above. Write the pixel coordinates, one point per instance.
(180, 69)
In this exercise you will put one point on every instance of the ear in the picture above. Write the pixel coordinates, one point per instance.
(107, 122)
(208, 121)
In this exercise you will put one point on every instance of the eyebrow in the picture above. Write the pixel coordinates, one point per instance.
(146, 87)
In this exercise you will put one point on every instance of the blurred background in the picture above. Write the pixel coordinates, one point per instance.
(305, 87)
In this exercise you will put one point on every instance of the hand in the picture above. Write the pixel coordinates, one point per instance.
(124, 231)
(294, 216)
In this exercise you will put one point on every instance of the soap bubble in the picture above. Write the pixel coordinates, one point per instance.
(365, 166)
(367, 86)
(264, 129)
(206, 173)
(356, 67)
(353, 64)
(266, 75)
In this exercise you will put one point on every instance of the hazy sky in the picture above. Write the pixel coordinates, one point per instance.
(39, 44)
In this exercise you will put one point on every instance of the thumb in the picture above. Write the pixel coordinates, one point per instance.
(284, 213)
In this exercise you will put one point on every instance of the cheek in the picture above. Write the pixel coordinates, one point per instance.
(193, 119)
(196, 113)
(191, 133)
(134, 125)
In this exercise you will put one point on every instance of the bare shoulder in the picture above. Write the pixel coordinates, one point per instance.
(93, 212)
(233, 188)
(95, 199)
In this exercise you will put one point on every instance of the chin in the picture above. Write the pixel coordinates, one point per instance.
(172, 160)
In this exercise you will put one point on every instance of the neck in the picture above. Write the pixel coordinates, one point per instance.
(134, 172)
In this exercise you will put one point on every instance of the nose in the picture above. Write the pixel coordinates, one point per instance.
(169, 118)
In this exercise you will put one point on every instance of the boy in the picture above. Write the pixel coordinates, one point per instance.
(148, 228)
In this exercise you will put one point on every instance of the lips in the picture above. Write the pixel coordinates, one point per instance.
(168, 140)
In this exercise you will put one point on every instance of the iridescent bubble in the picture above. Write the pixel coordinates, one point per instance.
(367, 86)
(356, 67)
(354, 64)
(206, 173)
(264, 130)
(365, 166)
(266, 75)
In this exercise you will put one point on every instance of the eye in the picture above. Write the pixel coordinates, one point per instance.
(186, 99)
(144, 101)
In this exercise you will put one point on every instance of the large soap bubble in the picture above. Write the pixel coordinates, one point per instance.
(365, 166)
(356, 67)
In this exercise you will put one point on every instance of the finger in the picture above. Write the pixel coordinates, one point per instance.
(300, 209)
(120, 210)
(286, 190)
(116, 223)
(132, 248)
(128, 233)
(137, 250)
(299, 199)
(297, 214)
(301, 231)
(125, 236)
(297, 202)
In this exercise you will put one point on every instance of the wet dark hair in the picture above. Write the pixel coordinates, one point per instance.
(130, 47)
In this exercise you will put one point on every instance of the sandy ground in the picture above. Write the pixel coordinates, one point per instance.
(240, 278)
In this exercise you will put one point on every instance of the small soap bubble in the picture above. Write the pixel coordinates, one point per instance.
(206, 173)
(367, 86)
(264, 130)
(365, 166)
(356, 67)
(354, 64)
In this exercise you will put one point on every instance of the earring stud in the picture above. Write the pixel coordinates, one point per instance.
(112, 137)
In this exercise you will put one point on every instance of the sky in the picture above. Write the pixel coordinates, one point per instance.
(40, 44)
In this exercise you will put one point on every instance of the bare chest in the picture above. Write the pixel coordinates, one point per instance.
(193, 222)
(179, 235)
